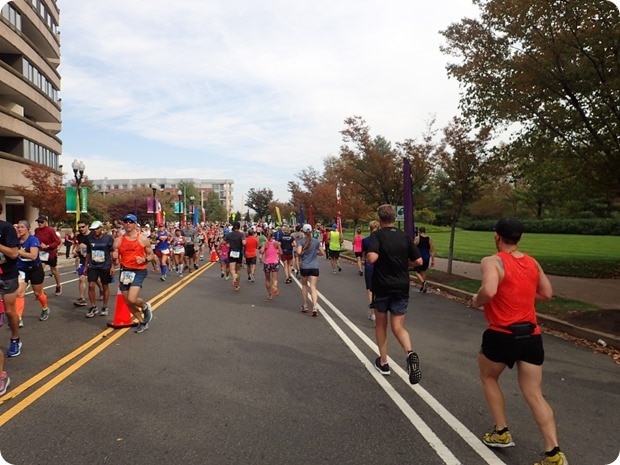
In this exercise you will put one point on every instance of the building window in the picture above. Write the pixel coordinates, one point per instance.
(12, 16)
(40, 154)
(34, 75)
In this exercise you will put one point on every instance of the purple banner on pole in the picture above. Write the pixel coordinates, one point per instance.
(408, 198)
(302, 220)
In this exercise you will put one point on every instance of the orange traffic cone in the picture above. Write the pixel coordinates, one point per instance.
(213, 254)
(122, 315)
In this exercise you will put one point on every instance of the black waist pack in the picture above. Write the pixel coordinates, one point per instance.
(522, 330)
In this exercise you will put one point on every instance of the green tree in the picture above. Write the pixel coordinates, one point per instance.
(552, 67)
(370, 163)
(214, 209)
(461, 169)
(259, 200)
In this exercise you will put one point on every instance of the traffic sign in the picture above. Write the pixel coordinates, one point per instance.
(400, 213)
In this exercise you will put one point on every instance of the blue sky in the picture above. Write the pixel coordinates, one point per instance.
(247, 90)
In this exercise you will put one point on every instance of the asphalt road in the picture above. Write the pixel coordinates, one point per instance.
(232, 378)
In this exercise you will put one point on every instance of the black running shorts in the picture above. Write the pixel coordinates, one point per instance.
(505, 348)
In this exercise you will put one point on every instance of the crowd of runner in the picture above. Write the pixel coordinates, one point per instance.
(510, 276)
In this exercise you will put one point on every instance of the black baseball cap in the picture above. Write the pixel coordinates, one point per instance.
(41, 219)
(509, 228)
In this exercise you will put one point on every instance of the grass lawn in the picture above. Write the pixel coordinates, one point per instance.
(559, 254)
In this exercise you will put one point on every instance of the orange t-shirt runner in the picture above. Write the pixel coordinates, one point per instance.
(128, 250)
(251, 245)
(516, 294)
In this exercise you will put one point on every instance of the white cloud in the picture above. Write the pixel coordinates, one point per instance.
(263, 86)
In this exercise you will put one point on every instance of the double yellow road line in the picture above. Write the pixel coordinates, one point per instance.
(84, 354)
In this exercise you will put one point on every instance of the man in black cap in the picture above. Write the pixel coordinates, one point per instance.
(48, 251)
(511, 282)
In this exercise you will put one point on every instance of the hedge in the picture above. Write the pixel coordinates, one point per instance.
(596, 227)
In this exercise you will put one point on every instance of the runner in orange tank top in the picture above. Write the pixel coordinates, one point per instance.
(511, 282)
(133, 251)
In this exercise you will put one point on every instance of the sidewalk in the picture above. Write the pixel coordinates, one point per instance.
(602, 292)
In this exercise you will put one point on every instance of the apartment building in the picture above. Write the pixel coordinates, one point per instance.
(29, 97)
(170, 186)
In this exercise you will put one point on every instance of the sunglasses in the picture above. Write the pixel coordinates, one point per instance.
(40, 222)
(129, 221)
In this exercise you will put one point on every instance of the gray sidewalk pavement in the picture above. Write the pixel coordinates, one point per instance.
(602, 292)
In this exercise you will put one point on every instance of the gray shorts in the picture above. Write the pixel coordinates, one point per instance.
(137, 280)
(395, 305)
(8, 286)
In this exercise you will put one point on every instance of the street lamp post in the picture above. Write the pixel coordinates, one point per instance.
(78, 173)
(154, 188)
(191, 199)
(179, 193)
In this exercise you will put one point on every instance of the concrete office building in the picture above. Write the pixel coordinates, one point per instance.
(223, 187)
(29, 102)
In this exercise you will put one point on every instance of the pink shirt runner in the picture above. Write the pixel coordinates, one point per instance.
(271, 252)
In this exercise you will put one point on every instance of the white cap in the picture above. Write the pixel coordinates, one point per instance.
(306, 228)
(96, 225)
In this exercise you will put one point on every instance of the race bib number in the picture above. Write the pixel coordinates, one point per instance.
(44, 256)
(179, 249)
(98, 256)
(235, 254)
(127, 277)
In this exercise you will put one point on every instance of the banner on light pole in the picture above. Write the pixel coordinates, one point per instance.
(71, 199)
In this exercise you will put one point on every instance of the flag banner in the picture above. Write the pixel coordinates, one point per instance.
(302, 220)
(150, 205)
(158, 206)
(338, 202)
(71, 199)
(159, 218)
(195, 218)
(408, 198)
(310, 216)
(178, 207)
(84, 199)
(278, 215)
